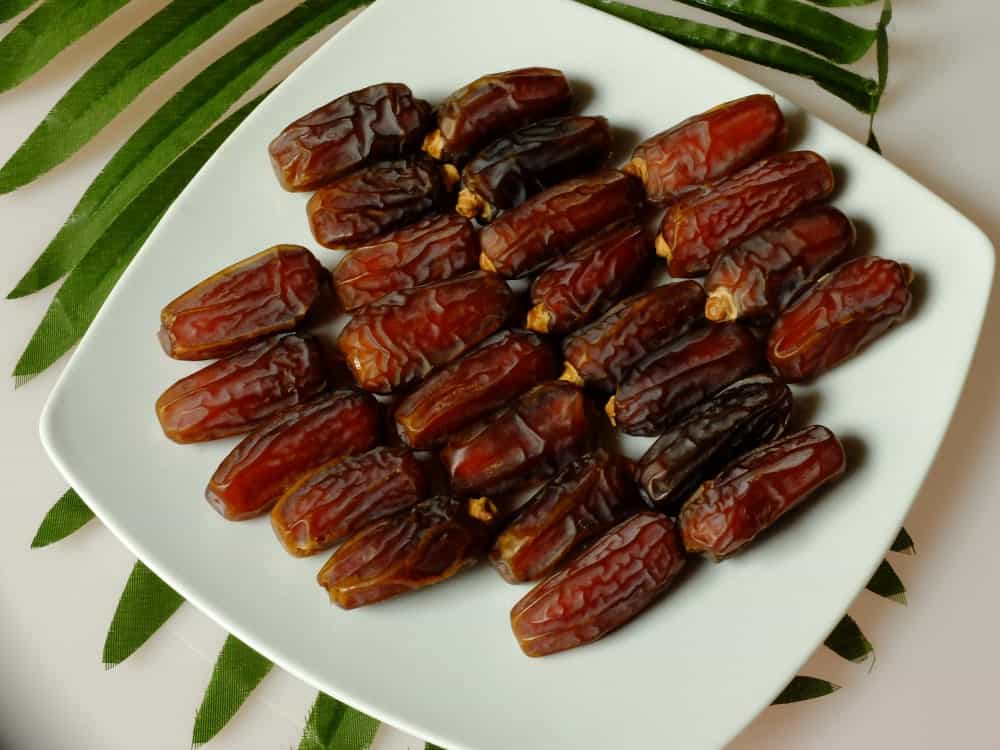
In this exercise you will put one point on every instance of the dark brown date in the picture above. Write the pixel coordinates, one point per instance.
(625, 571)
(498, 370)
(384, 121)
(340, 498)
(744, 415)
(530, 440)
(425, 545)
(546, 225)
(402, 337)
(434, 249)
(727, 512)
(758, 277)
(574, 289)
(270, 292)
(845, 311)
(269, 460)
(703, 224)
(492, 105)
(586, 499)
(520, 164)
(601, 353)
(235, 394)
(707, 147)
(681, 375)
(358, 208)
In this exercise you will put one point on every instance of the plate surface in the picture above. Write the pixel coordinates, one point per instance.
(698, 666)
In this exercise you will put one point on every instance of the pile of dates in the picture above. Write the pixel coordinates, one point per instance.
(469, 389)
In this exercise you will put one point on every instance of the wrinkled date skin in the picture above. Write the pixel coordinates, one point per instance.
(546, 225)
(707, 147)
(600, 270)
(402, 337)
(623, 573)
(601, 353)
(682, 375)
(500, 369)
(845, 311)
(362, 206)
(270, 292)
(532, 439)
(493, 105)
(758, 277)
(727, 512)
(235, 394)
(434, 249)
(425, 545)
(272, 457)
(515, 167)
(379, 122)
(342, 497)
(744, 415)
(586, 499)
(703, 224)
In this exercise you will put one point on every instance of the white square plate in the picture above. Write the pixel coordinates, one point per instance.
(443, 664)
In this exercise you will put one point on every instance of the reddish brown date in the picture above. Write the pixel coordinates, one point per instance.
(532, 439)
(340, 498)
(362, 206)
(270, 292)
(235, 394)
(492, 105)
(601, 353)
(707, 147)
(758, 277)
(425, 545)
(586, 499)
(602, 589)
(698, 227)
(497, 371)
(520, 164)
(600, 270)
(845, 311)
(384, 121)
(727, 512)
(681, 375)
(434, 249)
(269, 460)
(712, 434)
(546, 225)
(402, 337)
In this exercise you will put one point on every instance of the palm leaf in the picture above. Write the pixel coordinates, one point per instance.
(333, 725)
(886, 583)
(146, 603)
(841, 3)
(238, 670)
(10, 8)
(803, 688)
(66, 516)
(904, 544)
(848, 642)
(432, 746)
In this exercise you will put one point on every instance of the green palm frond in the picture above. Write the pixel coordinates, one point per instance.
(146, 603)
(11, 8)
(69, 514)
(238, 670)
(333, 725)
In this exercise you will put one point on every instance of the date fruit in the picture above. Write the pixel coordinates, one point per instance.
(340, 498)
(492, 105)
(753, 492)
(574, 289)
(703, 224)
(841, 314)
(625, 571)
(271, 458)
(601, 353)
(403, 336)
(384, 121)
(549, 223)
(707, 147)
(270, 292)
(681, 375)
(235, 394)
(744, 415)
(427, 544)
(586, 499)
(500, 369)
(434, 249)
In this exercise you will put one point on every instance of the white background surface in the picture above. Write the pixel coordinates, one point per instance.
(933, 681)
